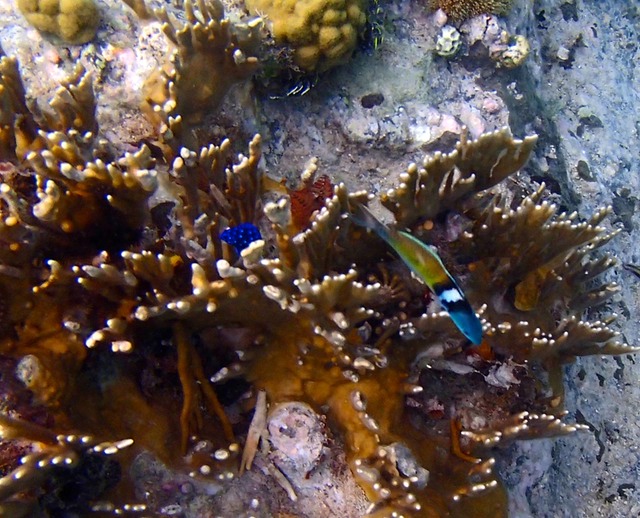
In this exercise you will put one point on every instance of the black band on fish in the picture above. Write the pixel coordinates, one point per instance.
(423, 260)
(451, 298)
(458, 306)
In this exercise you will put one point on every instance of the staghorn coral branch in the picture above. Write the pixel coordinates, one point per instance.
(208, 60)
(18, 130)
(444, 179)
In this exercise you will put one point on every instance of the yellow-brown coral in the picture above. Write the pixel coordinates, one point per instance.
(460, 10)
(73, 21)
(321, 33)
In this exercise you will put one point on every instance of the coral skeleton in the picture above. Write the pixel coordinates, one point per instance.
(127, 316)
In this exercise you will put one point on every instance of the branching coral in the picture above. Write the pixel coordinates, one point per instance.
(135, 336)
(16, 123)
(53, 461)
(208, 59)
(444, 179)
(72, 110)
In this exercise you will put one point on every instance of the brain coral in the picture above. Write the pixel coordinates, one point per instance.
(74, 21)
(322, 33)
(459, 10)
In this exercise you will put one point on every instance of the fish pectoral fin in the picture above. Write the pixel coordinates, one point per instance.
(416, 277)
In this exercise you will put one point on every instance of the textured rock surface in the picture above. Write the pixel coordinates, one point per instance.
(367, 121)
(587, 101)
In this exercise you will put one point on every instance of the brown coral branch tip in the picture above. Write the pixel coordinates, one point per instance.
(456, 448)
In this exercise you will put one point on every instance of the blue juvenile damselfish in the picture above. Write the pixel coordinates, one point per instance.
(241, 236)
(425, 263)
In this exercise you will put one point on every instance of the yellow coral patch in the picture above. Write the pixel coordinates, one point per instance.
(528, 290)
(334, 17)
(74, 21)
(328, 37)
(322, 33)
(308, 56)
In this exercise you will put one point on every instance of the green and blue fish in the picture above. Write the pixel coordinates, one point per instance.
(426, 265)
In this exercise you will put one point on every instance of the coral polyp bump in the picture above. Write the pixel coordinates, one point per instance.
(138, 340)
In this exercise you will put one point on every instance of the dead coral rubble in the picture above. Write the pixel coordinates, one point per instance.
(134, 336)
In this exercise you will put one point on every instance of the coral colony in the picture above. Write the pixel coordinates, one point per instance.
(137, 291)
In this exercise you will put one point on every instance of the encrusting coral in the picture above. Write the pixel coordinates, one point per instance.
(127, 316)
(460, 10)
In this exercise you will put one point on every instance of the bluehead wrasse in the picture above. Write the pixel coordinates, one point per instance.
(241, 236)
(424, 262)
(632, 268)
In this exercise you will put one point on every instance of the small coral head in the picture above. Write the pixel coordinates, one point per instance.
(460, 10)
(241, 236)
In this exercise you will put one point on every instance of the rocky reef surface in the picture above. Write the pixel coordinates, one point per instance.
(399, 97)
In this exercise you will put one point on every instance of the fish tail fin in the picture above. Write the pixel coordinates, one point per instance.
(469, 324)
(362, 216)
(455, 303)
